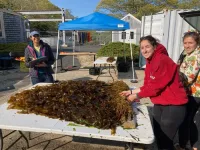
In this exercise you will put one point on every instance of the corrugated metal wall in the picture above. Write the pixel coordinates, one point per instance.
(169, 28)
(153, 25)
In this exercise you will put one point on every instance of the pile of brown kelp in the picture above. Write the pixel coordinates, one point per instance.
(92, 103)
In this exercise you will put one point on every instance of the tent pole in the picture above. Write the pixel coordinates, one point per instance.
(57, 55)
(124, 50)
(124, 37)
(64, 34)
(134, 80)
(73, 37)
(79, 42)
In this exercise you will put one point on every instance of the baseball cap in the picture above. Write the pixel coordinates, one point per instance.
(34, 33)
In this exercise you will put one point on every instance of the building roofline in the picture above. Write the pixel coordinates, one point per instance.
(39, 12)
(132, 17)
(10, 12)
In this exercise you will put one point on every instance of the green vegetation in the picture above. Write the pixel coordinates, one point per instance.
(119, 49)
(23, 68)
(16, 48)
(12, 47)
(20, 5)
(34, 5)
(139, 8)
(74, 124)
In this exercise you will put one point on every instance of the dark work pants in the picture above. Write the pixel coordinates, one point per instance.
(166, 121)
(42, 78)
(190, 129)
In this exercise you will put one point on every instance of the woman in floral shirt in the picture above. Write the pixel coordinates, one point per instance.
(189, 67)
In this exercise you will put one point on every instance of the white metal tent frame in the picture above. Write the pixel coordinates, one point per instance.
(134, 80)
(96, 22)
(47, 12)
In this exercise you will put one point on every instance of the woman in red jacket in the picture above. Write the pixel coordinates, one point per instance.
(163, 86)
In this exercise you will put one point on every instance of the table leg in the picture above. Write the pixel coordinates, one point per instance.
(114, 69)
(26, 139)
(109, 72)
(61, 63)
(99, 72)
(1, 140)
(94, 60)
(129, 146)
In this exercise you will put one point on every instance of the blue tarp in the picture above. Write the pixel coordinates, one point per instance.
(95, 21)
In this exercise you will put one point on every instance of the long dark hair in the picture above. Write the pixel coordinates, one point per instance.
(153, 41)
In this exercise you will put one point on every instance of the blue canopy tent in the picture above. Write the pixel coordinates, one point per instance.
(95, 21)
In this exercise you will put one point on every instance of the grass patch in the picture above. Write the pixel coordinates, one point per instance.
(23, 68)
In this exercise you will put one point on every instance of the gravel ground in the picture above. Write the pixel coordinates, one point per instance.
(12, 79)
(9, 78)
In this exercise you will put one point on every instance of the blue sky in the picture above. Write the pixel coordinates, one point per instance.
(78, 8)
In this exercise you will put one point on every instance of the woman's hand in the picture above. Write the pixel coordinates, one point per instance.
(132, 97)
(125, 93)
(43, 64)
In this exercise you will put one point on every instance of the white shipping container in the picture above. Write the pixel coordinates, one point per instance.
(169, 28)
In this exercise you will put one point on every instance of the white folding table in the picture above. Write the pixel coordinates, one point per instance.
(103, 61)
(10, 119)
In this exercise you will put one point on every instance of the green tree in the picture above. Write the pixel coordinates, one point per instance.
(34, 5)
(27, 5)
(139, 8)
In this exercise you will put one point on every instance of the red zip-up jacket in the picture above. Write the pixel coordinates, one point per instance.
(161, 82)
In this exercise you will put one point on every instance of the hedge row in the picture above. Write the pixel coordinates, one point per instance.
(12, 47)
(119, 49)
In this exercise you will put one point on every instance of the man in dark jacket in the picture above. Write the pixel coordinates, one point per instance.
(42, 71)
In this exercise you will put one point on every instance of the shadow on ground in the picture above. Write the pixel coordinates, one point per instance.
(130, 74)
(9, 77)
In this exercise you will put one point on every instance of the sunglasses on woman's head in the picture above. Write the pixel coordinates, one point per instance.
(36, 35)
(191, 33)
